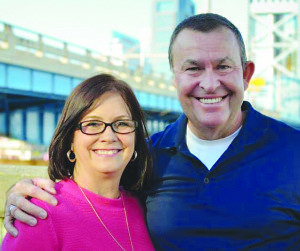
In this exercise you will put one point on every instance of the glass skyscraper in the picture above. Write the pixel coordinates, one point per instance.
(166, 15)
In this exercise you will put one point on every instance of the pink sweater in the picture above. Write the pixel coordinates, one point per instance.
(72, 225)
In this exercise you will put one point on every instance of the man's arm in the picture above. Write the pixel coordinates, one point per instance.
(24, 210)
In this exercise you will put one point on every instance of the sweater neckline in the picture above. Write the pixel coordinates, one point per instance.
(72, 188)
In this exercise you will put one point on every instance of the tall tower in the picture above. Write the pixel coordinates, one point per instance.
(275, 37)
(166, 15)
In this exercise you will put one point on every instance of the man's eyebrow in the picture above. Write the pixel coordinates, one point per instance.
(190, 62)
(225, 59)
(194, 62)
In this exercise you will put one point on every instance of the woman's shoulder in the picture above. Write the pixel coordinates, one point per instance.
(64, 193)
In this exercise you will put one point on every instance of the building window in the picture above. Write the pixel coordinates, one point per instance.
(163, 36)
(164, 21)
(165, 6)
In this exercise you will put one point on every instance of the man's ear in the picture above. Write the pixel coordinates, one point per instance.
(248, 73)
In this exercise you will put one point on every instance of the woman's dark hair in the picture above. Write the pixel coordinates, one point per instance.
(207, 22)
(82, 100)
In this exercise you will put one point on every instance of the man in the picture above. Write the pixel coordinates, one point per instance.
(225, 176)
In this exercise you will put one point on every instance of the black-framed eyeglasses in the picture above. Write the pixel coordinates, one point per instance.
(92, 127)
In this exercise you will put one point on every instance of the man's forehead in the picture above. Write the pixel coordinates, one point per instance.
(219, 44)
(187, 33)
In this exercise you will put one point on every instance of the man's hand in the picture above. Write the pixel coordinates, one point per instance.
(18, 206)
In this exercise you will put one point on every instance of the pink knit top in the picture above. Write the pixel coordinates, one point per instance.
(72, 225)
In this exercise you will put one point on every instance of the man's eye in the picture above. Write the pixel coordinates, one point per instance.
(223, 67)
(193, 69)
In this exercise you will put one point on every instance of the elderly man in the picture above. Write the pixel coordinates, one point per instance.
(225, 176)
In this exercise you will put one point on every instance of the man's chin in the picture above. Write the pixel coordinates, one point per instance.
(214, 121)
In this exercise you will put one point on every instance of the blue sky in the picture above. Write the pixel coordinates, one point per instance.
(84, 22)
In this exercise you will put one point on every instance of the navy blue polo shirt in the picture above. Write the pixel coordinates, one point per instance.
(250, 199)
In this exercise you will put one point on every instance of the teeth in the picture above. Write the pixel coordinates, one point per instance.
(106, 152)
(210, 100)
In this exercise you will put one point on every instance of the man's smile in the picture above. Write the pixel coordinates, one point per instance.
(211, 100)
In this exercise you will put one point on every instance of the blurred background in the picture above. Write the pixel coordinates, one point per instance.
(48, 47)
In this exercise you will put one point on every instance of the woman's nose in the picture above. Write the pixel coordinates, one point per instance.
(108, 134)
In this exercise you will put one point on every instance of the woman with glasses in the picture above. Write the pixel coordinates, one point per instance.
(99, 158)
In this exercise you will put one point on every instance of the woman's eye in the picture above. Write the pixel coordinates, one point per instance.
(94, 124)
(122, 123)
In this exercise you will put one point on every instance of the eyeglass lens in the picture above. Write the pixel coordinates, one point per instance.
(120, 126)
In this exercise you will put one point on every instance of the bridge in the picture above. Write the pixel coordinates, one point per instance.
(38, 72)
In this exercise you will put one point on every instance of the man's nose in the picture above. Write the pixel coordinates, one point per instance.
(209, 81)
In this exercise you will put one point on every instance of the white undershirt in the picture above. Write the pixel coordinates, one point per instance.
(208, 151)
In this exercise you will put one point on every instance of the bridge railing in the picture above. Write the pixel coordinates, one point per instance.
(37, 51)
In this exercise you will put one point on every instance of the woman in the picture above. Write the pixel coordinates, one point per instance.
(99, 154)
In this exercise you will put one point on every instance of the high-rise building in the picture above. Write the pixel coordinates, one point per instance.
(129, 48)
(166, 15)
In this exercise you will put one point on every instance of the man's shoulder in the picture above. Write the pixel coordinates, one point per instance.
(163, 136)
(282, 129)
(172, 130)
(258, 122)
(157, 136)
